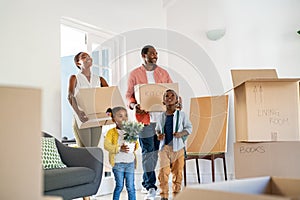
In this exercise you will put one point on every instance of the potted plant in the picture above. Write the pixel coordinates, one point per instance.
(131, 133)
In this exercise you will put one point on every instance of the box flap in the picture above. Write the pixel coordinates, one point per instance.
(258, 188)
(257, 185)
(195, 194)
(274, 80)
(240, 76)
(94, 120)
(288, 187)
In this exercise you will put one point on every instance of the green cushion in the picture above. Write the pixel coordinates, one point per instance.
(50, 156)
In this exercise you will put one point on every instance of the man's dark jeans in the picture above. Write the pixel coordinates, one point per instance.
(149, 144)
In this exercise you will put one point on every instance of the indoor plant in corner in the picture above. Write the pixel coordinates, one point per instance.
(131, 133)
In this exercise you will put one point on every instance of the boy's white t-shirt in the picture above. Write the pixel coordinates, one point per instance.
(123, 157)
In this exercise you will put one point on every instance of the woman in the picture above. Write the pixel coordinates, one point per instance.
(84, 79)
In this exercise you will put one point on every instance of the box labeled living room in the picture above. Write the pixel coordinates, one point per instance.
(266, 107)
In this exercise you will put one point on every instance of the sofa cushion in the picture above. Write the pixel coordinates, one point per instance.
(67, 177)
(50, 156)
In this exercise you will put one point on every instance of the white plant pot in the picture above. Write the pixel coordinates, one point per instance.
(131, 146)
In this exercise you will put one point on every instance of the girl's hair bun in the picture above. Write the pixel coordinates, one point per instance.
(109, 112)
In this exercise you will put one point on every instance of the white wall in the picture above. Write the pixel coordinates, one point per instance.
(30, 40)
(259, 34)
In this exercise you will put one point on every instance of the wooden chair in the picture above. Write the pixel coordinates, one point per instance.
(208, 141)
(211, 157)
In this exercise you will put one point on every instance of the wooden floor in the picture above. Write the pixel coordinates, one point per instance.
(139, 196)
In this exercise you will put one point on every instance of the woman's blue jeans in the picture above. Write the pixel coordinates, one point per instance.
(124, 172)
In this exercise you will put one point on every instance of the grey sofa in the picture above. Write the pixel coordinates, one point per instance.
(83, 174)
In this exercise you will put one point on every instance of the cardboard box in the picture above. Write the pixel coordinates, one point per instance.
(20, 150)
(51, 198)
(208, 116)
(254, 159)
(95, 120)
(150, 96)
(266, 107)
(98, 100)
(94, 102)
(260, 188)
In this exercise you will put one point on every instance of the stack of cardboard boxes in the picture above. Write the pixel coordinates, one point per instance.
(266, 123)
(266, 151)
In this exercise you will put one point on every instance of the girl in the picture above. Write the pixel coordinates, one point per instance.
(121, 160)
(172, 128)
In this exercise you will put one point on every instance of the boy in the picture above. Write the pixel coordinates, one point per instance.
(172, 128)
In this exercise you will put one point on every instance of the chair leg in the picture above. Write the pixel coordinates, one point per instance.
(213, 167)
(184, 172)
(224, 164)
(198, 173)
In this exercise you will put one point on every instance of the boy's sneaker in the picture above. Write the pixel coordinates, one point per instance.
(164, 198)
(158, 191)
(144, 191)
(93, 197)
(151, 194)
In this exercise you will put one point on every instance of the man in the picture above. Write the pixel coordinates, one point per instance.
(147, 73)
